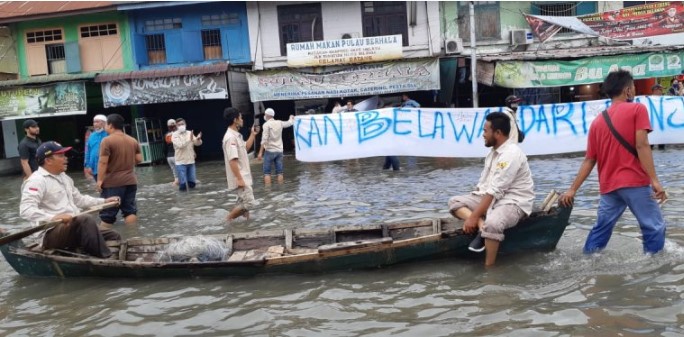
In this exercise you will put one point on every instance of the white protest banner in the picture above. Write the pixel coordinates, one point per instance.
(442, 132)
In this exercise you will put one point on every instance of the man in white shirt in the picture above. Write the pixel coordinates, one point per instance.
(184, 142)
(238, 173)
(504, 193)
(49, 195)
(272, 145)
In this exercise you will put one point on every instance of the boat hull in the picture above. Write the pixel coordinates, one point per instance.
(540, 233)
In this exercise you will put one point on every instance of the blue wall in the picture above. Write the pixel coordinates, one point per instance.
(184, 45)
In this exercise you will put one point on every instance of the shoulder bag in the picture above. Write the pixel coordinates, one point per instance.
(617, 135)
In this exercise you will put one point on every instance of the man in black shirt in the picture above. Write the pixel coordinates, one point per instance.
(28, 146)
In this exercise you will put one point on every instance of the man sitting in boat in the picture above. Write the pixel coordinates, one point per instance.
(504, 193)
(49, 195)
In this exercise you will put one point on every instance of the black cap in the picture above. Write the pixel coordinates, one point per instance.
(30, 123)
(49, 148)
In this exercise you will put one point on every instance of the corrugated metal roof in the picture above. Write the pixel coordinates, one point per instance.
(48, 79)
(11, 11)
(572, 53)
(165, 72)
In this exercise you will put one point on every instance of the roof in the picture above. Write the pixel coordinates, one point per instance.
(13, 11)
(573, 53)
(165, 72)
(48, 79)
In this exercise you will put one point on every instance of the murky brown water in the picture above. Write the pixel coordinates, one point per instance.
(562, 293)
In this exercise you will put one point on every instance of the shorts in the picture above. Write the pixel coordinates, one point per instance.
(497, 219)
(273, 158)
(127, 206)
(245, 197)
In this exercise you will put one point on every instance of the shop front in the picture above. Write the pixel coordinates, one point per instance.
(58, 107)
(198, 94)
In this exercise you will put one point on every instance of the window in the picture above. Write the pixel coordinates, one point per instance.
(558, 9)
(211, 43)
(99, 30)
(56, 58)
(385, 18)
(163, 24)
(299, 23)
(487, 21)
(45, 52)
(221, 19)
(156, 48)
(44, 36)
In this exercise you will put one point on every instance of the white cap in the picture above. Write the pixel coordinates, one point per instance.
(171, 122)
(269, 112)
(100, 118)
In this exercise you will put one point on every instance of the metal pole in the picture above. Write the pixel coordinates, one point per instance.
(473, 55)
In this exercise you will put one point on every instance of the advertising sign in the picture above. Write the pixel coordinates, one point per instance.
(164, 89)
(345, 51)
(651, 19)
(361, 80)
(554, 73)
(65, 98)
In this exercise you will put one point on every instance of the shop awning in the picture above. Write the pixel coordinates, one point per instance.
(572, 53)
(48, 79)
(160, 73)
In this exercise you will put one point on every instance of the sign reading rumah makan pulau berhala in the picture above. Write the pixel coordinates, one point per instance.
(344, 51)
(444, 132)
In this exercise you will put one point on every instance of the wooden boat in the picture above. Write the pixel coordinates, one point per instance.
(293, 250)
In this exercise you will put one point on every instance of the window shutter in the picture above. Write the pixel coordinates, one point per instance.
(192, 46)
(234, 49)
(37, 59)
(73, 57)
(140, 50)
(174, 46)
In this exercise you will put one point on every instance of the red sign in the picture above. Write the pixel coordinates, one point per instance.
(651, 19)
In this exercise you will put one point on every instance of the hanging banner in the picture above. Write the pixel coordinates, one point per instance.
(65, 98)
(541, 29)
(555, 73)
(651, 19)
(362, 80)
(431, 132)
(164, 89)
(345, 51)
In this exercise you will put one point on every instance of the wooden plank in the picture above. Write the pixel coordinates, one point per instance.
(276, 250)
(552, 202)
(237, 256)
(123, 250)
(436, 226)
(259, 234)
(385, 231)
(353, 244)
(288, 239)
(229, 245)
(410, 225)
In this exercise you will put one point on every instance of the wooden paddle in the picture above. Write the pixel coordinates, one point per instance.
(20, 235)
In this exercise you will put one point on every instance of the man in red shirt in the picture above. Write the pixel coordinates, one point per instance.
(627, 177)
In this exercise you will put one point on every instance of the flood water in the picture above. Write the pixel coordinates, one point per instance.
(621, 292)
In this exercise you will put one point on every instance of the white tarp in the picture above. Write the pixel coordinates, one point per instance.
(442, 132)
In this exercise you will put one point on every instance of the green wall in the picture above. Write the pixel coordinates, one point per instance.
(70, 26)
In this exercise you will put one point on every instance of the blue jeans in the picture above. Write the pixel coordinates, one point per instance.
(271, 158)
(186, 175)
(644, 208)
(391, 161)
